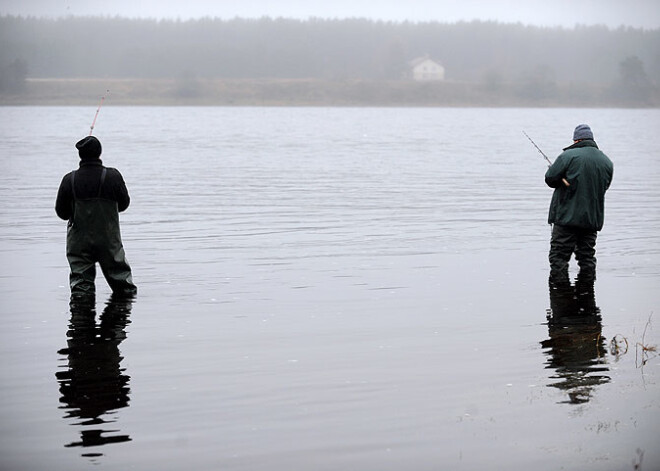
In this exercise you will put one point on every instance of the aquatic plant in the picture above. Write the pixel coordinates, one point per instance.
(643, 351)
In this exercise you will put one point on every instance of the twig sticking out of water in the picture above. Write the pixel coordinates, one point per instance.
(637, 463)
(648, 352)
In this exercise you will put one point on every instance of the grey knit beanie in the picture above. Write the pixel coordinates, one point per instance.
(582, 131)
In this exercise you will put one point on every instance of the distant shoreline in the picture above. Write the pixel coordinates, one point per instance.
(308, 92)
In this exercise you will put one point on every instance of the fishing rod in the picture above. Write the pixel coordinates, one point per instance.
(91, 128)
(544, 156)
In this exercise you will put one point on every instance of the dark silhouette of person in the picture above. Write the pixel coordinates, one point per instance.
(575, 348)
(94, 385)
(580, 177)
(90, 199)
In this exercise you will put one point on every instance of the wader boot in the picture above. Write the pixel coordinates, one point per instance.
(93, 236)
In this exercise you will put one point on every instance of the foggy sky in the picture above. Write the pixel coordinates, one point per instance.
(568, 13)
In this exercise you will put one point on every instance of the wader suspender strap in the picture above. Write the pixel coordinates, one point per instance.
(73, 187)
(102, 180)
(73, 178)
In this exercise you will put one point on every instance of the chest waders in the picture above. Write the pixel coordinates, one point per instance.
(93, 236)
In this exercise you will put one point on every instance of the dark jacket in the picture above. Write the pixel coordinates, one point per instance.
(88, 178)
(589, 173)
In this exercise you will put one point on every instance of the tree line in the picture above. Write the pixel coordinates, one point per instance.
(487, 53)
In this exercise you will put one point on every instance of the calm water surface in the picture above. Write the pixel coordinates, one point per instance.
(326, 288)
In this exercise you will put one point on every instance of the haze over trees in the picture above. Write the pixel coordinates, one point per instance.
(539, 61)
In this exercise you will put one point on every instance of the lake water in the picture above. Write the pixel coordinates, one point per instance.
(328, 289)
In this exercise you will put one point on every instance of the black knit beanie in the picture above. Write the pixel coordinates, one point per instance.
(89, 148)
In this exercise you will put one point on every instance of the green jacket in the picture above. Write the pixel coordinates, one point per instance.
(589, 172)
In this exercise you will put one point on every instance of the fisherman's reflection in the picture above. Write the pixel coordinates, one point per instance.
(575, 348)
(94, 385)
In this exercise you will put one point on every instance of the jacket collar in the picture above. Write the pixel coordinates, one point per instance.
(582, 143)
(91, 163)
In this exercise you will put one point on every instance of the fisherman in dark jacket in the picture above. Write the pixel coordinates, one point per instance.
(91, 199)
(580, 176)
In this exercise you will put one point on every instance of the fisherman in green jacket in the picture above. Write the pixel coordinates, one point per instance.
(580, 176)
(91, 199)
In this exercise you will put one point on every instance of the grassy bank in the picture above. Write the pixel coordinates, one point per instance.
(252, 92)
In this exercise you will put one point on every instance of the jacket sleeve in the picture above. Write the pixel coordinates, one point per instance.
(121, 192)
(610, 176)
(64, 200)
(556, 172)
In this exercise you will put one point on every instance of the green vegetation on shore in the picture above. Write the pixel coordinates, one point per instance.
(311, 92)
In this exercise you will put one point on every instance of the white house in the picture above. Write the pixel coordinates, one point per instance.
(426, 69)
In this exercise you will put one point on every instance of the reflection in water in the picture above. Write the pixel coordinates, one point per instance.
(575, 347)
(94, 384)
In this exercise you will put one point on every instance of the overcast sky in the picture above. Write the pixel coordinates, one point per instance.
(613, 13)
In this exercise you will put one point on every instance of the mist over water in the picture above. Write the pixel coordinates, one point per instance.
(330, 288)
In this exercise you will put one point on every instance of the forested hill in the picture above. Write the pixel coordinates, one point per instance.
(486, 53)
